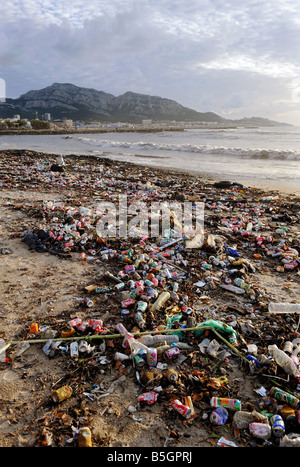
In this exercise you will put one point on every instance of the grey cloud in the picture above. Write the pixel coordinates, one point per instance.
(155, 47)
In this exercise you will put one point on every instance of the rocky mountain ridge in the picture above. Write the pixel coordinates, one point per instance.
(65, 100)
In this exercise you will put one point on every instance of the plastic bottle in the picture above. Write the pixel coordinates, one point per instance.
(161, 300)
(149, 340)
(2, 350)
(284, 307)
(282, 359)
(232, 288)
(135, 345)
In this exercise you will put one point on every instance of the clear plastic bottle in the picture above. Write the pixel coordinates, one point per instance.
(152, 340)
(284, 307)
(2, 350)
(135, 345)
(282, 359)
(161, 300)
(232, 288)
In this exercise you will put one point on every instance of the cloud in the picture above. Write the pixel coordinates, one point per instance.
(232, 55)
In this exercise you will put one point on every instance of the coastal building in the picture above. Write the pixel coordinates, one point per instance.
(147, 122)
(68, 123)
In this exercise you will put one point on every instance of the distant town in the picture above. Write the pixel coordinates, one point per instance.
(45, 124)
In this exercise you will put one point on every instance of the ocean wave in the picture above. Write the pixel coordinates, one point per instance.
(251, 153)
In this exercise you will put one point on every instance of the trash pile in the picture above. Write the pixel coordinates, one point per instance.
(180, 319)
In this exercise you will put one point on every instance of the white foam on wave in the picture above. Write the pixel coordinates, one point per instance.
(251, 153)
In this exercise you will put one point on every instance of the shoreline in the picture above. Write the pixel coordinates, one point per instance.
(71, 131)
(283, 190)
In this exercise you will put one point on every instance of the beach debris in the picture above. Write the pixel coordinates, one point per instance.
(174, 321)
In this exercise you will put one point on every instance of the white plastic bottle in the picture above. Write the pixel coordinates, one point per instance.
(284, 307)
(154, 339)
(282, 359)
(161, 300)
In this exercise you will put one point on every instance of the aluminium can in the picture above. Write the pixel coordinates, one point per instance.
(225, 402)
(74, 352)
(277, 425)
(171, 375)
(171, 353)
(288, 347)
(284, 396)
(152, 356)
(62, 393)
(84, 437)
(219, 416)
(182, 409)
(127, 302)
(139, 361)
(148, 398)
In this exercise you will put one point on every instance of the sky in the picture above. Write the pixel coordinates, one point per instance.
(235, 58)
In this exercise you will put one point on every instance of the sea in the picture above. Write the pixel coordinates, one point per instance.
(266, 157)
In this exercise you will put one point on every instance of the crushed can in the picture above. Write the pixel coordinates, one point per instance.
(189, 403)
(84, 437)
(148, 398)
(82, 326)
(219, 416)
(138, 317)
(125, 313)
(89, 303)
(260, 430)
(96, 324)
(161, 349)
(74, 323)
(182, 409)
(171, 353)
(61, 394)
(127, 302)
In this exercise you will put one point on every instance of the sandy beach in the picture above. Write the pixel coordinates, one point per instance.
(48, 286)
